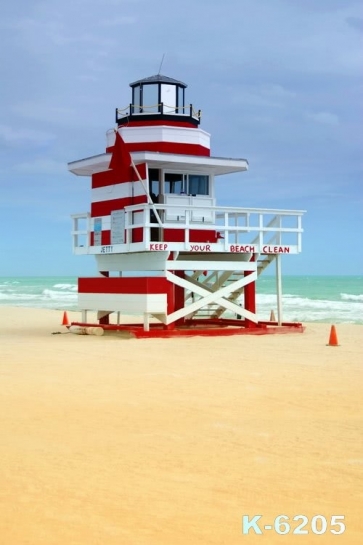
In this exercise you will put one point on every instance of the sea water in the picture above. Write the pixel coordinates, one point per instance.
(305, 298)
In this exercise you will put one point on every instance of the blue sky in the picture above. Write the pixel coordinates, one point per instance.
(279, 82)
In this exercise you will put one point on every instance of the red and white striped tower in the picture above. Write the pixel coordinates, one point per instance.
(154, 213)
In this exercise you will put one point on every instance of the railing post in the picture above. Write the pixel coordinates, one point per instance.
(279, 225)
(187, 227)
(279, 289)
(226, 232)
(260, 234)
(127, 228)
(88, 236)
(75, 235)
(146, 222)
(299, 237)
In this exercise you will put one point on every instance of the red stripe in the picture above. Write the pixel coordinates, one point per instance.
(195, 235)
(137, 285)
(104, 208)
(105, 238)
(111, 177)
(148, 123)
(137, 236)
(167, 147)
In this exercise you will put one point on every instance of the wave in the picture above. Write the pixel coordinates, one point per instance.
(351, 297)
(65, 296)
(53, 294)
(305, 305)
(72, 287)
(297, 308)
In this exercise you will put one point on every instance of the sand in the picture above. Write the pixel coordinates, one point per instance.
(108, 440)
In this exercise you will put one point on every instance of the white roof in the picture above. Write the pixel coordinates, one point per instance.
(212, 165)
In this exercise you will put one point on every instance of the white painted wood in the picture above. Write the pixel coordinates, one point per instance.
(208, 298)
(265, 239)
(203, 265)
(176, 212)
(124, 303)
(81, 330)
(146, 321)
(90, 165)
(117, 191)
(165, 133)
(149, 261)
(203, 164)
(205, 214)
(279, 289)
(208, 165)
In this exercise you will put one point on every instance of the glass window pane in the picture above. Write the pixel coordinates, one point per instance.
(154, 183)
(174, 183)
(136, 99)
(180, 101)
(150, 97)
(198, 184)
(168, 98)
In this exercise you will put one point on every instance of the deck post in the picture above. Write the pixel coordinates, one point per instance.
(146, 321)
(279, 289)
(250, 296)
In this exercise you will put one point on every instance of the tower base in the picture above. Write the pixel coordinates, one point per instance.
(218, 327)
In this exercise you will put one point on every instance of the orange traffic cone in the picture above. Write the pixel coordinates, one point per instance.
(65, 319)
(333, 338)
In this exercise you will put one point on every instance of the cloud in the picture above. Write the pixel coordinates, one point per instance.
(41, 166)
(119, 21)
(355, 22)
(43, 111)
(270, 95)
(326, 118)
(21, 135)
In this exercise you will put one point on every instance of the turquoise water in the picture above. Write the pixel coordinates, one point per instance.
(305, 298)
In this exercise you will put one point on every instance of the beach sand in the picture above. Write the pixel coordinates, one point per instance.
(109, 440)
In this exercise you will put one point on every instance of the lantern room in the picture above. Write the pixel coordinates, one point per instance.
(158, 98)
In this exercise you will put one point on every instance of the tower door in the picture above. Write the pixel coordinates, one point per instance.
(168, 98)
(154, 190)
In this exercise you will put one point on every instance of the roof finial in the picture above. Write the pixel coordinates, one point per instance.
(161, 64)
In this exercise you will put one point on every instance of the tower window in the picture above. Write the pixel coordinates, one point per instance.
(150, 98)
(191, 184)
(198, 184)
(174, 183)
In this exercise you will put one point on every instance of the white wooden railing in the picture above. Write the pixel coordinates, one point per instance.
(258, 227)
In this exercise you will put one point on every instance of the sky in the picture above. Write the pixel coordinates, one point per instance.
(279, 83)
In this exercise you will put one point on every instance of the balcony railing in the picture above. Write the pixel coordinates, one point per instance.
(134, 110)
(232, 229)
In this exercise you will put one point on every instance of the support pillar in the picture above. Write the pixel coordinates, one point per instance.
(179, 297)
(279, 289)
(105, 320)
(250, 297)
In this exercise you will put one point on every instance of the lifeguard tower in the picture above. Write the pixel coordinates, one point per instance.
(163, 247)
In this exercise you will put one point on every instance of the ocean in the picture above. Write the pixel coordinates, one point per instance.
(331, 299)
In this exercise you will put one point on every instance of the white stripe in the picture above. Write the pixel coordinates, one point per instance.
(117, 191)
(138, 218)
(132, 303)
(161, 133)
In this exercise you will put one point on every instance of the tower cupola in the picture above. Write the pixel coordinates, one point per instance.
(158, 98)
